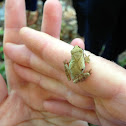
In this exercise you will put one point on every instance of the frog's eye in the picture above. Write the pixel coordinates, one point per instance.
(82, 69)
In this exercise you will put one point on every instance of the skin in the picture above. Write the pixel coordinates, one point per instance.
(75, 68)
(22, 105)
(100, 99)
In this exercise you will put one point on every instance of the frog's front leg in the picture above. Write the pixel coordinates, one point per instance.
(86, 58)
(67, 71)
(81, 77)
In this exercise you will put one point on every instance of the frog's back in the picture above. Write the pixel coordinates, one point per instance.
(74, 69)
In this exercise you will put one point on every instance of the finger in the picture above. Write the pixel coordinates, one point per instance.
(48, 42)
(107, 122)
(55, 86)
(14, 19)
(110, 107)
(52, 17)
(3, 89)
(62, 120)
(78, 42)
(30, 60)
(72, 111)
(102, 82)
(15, 14)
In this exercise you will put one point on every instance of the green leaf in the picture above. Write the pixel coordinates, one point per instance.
(2, 67)
(2, 70)
(1, 49)
(2, 56)
(1, 32)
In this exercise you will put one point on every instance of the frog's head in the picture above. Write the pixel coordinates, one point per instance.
(77, 50)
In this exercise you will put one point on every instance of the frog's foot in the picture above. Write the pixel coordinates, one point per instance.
(89, 71)
(66, 62)
(85, 75)
(86, 58)
(67, 71)
(81, 77)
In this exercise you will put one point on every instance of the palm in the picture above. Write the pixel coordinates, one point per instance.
(22, 114)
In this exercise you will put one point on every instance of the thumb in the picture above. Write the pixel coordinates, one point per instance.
(79, 42)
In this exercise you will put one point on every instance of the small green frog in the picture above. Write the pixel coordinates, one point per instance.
(74, 69)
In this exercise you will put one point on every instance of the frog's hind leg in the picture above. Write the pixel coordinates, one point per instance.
(67, 71)
(81, 77)
(86, 58)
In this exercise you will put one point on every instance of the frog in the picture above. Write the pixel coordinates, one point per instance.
(74, 69)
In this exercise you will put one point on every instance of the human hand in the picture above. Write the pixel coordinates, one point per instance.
(100, 99)
(24, 104)
(15, 19)
(15, 112)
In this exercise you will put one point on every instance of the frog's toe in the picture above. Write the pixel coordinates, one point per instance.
(75, 81)
(65, 62)
(87, 58)
(90, 71)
